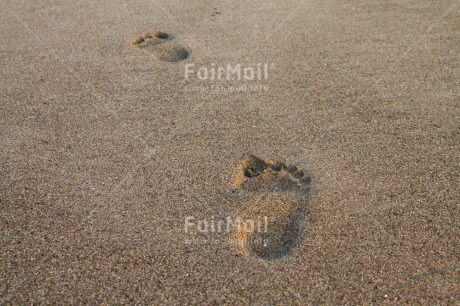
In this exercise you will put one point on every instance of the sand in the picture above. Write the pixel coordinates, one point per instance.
(107, 148)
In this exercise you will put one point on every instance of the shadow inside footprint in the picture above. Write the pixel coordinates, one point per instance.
(278, 196)
(162, 46)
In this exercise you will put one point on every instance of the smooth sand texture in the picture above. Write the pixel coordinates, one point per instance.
(105, 151)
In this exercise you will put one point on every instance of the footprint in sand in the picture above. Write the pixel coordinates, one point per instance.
(162, 46)
(278, 196)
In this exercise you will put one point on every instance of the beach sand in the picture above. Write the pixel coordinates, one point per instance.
(114, 164)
